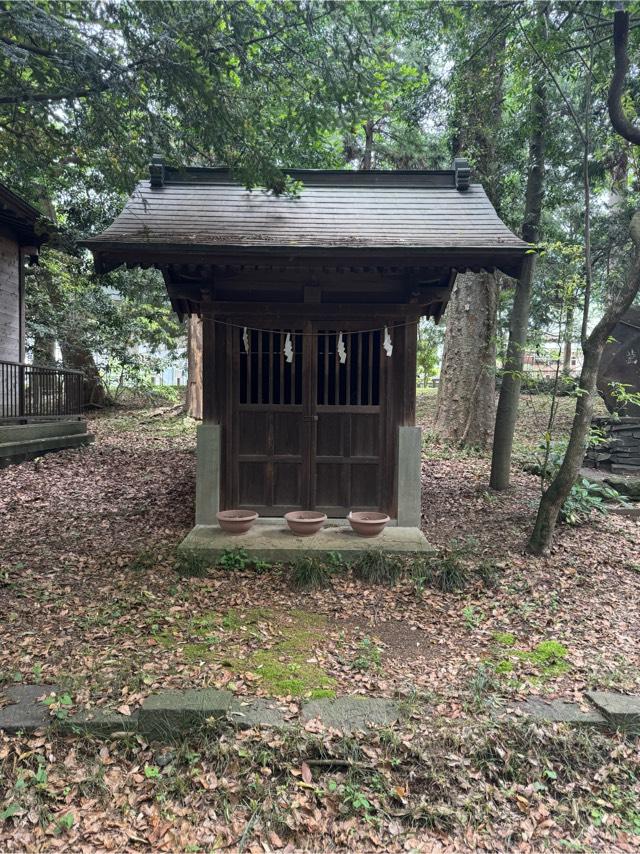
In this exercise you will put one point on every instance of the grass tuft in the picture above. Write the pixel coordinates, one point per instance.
(378, 567)
(310, 573)
(192, 564)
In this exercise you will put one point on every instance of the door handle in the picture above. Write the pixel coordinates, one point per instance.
(309, 417)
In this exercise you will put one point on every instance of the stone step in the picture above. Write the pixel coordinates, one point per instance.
(26, 432)
(21, 450)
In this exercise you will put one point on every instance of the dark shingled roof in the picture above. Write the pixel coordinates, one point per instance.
(206, 208)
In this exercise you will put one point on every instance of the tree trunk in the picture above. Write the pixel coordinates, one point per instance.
(194, 367)
(567, 346)
(44, 350)
(560, 487)
(367, 159)
(466, 392)
(79, 358)
(507, 411)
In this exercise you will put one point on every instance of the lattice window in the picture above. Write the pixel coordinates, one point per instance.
(355, 382)
(266, 377)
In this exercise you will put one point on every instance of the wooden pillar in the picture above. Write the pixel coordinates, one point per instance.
(210, 402)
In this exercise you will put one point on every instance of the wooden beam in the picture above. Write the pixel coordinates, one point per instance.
(311, 311)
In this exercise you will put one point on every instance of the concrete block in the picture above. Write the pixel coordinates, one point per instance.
(409, 484)
(171, 714)
(208, 444)
(622, 711)
(560, 711)
(26, 712)
(246, 713)
(274, 542)
(99, 722)
(351, 714)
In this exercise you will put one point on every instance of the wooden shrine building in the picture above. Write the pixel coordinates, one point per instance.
(310, 306)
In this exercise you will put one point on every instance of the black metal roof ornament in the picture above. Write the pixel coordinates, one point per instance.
(462, 173)
(156, 171)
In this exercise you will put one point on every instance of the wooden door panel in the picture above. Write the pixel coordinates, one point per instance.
(365, 435)
(309, 433)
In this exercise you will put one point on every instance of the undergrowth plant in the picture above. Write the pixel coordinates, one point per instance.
(192, 564)
(585, 496)
(310, 573)
(377, 567)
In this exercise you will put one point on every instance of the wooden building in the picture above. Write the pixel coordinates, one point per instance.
(40, 405)
(309, 308)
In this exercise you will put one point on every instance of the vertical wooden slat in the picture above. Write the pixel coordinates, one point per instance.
(326, 369)
(370, 357)
(249, 365)
(293, 368)
(271, 382)
(281, 366)
(347, 367)
(359, 371)
(336, 369)
(259, 398)
(210, 401)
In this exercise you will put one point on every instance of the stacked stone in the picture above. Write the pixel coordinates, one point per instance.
(620, 454)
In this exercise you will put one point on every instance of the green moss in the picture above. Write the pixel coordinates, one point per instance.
(283, 669)
(548, 658)
(198, 652)
(281, 675)
(504, 639)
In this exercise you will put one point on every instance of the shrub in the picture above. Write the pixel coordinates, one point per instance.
(234, 559)
(446, 572)
(310, 573)
(585, 496)
(377, 567)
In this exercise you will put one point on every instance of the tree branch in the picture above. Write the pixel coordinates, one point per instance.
(619, 120)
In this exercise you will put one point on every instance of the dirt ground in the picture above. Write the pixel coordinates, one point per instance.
(90, 601)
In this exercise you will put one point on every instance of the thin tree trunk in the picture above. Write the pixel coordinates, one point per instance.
(367, 159)
(560, 487)
(567, 347)
(194, 367)
(507, 411)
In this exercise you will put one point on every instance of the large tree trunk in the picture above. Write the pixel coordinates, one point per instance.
(78, 357)
(466, 392)
(507, 411)
(560, 487)
(194, 367)
(466, 395)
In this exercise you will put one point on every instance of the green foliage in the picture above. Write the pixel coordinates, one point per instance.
(430, 338)
(310, 573)
(376, 566)
(586, 496)
(368, 656)
(234, 559)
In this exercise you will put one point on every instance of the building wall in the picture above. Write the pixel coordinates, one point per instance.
(10, 302)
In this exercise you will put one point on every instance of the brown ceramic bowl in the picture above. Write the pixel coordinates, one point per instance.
(303, 523)
(236, 521)
(367, 523)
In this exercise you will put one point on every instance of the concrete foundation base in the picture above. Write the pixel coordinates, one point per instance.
(273, 541)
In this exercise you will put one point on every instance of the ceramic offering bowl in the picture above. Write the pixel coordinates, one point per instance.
(303, 523)
(367, 523)
(236, 521)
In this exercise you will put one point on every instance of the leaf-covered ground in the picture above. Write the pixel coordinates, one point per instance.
(90, 600)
